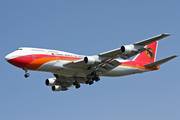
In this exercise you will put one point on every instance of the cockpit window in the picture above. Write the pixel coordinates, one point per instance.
(19, 49)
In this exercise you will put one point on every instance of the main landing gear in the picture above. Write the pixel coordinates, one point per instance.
(26, 74)
(93, 77)
(90, 79)
(76, 84)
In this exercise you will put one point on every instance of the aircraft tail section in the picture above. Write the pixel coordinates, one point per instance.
(149, 55)
(159, 62)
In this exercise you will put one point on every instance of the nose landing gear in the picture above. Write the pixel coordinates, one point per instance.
(26, 74)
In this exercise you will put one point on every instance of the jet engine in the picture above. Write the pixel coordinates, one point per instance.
(127, 49)
(89, 60)
(50, 81)
(56, 88)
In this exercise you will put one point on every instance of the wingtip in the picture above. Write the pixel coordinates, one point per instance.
(174, 56)
(166, 34)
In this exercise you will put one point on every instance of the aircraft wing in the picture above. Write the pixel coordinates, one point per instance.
(128, 51)
(102, 60)
(151, 40)
(102, 67)
(107, 66)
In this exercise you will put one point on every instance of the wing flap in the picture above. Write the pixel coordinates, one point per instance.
(107, 66)
(159, 62)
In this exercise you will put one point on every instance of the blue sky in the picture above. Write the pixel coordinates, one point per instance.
(88, 28)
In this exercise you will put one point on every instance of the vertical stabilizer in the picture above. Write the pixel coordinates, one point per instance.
(149, 55)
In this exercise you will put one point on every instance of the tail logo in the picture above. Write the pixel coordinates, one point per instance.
(149, 53)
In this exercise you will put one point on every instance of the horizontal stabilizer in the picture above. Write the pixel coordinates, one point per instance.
(159, 62)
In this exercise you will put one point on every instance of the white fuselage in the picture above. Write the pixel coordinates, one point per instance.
(53, 61)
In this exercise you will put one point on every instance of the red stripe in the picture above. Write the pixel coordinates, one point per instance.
(28, 61)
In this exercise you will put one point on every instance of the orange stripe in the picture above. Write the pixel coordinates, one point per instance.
(140, 67)
(39, 62)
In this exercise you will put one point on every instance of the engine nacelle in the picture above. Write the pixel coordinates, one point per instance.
(50, 81)
(89, 60)
(127, 49)
(56, 88)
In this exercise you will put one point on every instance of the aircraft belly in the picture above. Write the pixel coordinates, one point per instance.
(121, 71)
(57, 67)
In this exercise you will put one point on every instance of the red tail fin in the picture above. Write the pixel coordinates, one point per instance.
(149, 55)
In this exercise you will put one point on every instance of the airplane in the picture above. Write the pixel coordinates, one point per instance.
(72, 70)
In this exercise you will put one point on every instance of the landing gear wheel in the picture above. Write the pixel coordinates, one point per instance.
(93, 73)
(97, 78)
(26, 75)
(87, 82)
(94, 78)
(75, 83)
(91, 82)
(78, 86)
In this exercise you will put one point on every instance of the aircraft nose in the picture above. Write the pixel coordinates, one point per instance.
(7, 57)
